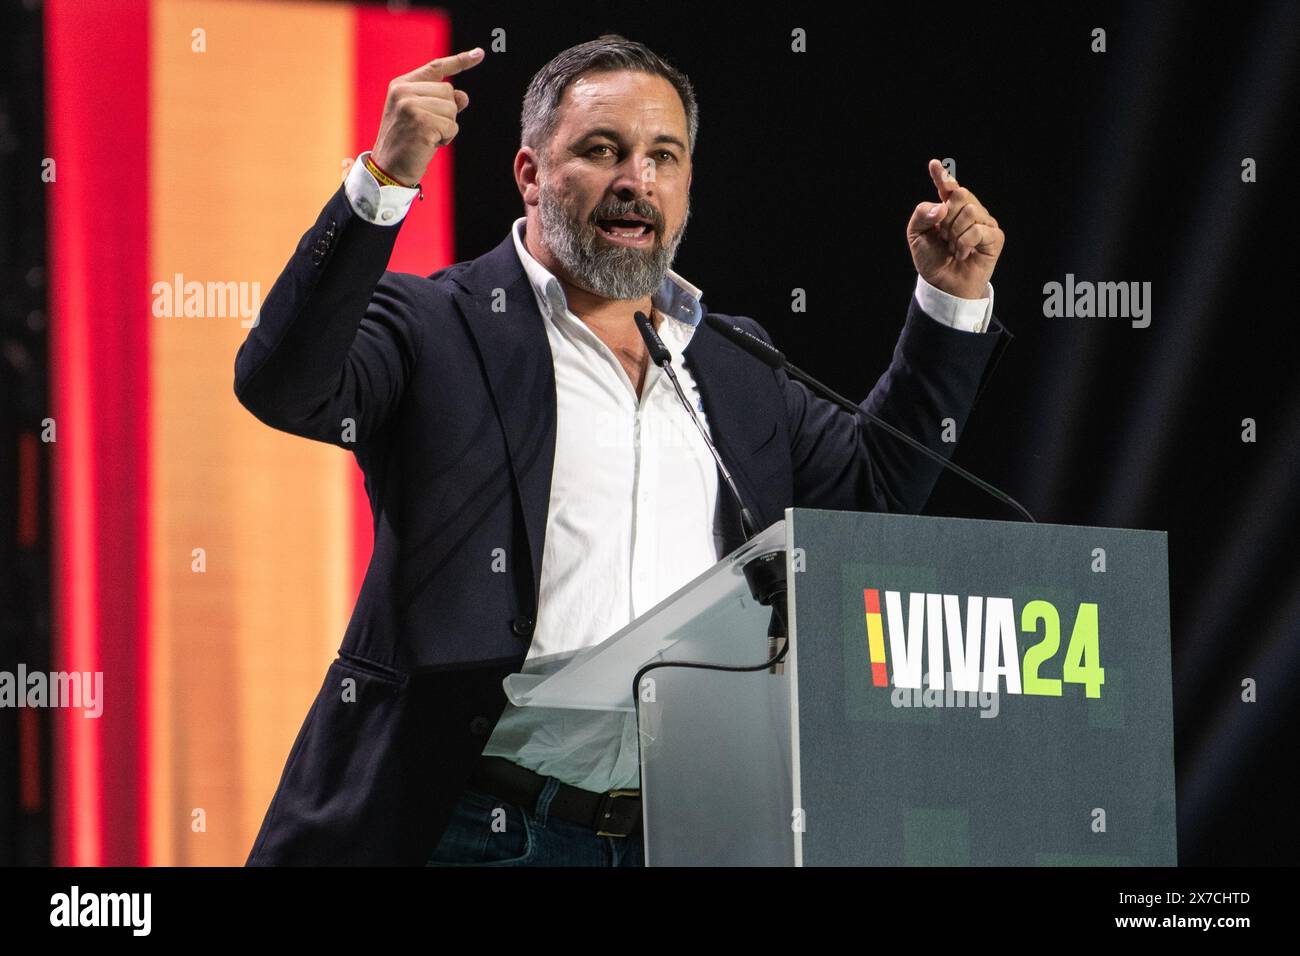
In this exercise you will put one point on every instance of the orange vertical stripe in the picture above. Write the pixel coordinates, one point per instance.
(252, 108)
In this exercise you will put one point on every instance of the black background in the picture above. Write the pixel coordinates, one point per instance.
(1115, 166)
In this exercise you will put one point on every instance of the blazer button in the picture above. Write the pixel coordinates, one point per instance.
(523, 626)
(480, 726)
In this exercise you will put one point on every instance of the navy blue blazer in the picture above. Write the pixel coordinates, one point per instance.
(444, 389)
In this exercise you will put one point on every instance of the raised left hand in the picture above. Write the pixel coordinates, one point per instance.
(955, 243)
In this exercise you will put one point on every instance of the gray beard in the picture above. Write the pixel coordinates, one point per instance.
(615, 272)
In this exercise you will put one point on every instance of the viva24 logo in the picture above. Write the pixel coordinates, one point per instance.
(983, 653)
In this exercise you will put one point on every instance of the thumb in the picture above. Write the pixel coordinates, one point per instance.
(928, 216)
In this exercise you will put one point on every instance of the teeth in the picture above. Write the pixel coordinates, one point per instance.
(627, 233)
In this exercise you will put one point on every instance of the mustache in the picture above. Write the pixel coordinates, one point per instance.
(621, 210)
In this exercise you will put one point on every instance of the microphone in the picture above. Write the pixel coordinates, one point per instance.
(775, 358)
(764, 573)
(660, 355)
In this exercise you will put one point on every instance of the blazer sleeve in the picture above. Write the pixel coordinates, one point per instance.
(337, 336)
(841, 461)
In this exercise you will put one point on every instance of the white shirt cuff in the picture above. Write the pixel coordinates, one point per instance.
(382, 205)
(967, 315)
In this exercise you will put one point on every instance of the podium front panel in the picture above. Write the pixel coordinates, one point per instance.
(972, 692)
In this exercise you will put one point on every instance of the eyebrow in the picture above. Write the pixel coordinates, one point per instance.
(613, 134)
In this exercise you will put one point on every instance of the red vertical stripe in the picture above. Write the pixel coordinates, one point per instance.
(30, 797)
(97, 134)
(387, 45)
(30, 785)
(29, 484)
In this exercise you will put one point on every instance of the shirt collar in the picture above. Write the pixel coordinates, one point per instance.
(676, 297)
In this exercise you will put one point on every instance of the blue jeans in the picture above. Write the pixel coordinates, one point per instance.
(479, 835)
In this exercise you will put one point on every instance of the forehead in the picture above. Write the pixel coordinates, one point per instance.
(622, 100)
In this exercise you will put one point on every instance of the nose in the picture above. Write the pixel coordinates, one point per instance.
(632, 179)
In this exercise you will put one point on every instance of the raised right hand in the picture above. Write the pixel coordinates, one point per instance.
(420, 115)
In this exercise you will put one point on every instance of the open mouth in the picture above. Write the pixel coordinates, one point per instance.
(625, 230)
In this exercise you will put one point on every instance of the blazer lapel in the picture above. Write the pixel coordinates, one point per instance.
(716, 367)
(520, 374)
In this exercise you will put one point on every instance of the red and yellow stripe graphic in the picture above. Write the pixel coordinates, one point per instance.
(206, 564)
(875, 638)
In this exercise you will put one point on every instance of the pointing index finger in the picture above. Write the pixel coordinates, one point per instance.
(446, 66)
(462, 61)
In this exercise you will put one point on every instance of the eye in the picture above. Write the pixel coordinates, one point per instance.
(667, 154)
(600, 146)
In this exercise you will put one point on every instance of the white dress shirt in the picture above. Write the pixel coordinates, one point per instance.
(632, 517)
(633, 512)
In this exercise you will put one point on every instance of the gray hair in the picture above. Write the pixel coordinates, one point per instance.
(609, 52)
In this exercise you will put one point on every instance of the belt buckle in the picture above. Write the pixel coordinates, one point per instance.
(606, 811)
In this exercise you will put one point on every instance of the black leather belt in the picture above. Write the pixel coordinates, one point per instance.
(614, 813)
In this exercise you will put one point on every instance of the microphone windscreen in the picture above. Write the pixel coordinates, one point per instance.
(746, 340)
(659, 353)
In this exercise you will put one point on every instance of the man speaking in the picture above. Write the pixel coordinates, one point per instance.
(535, 482)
